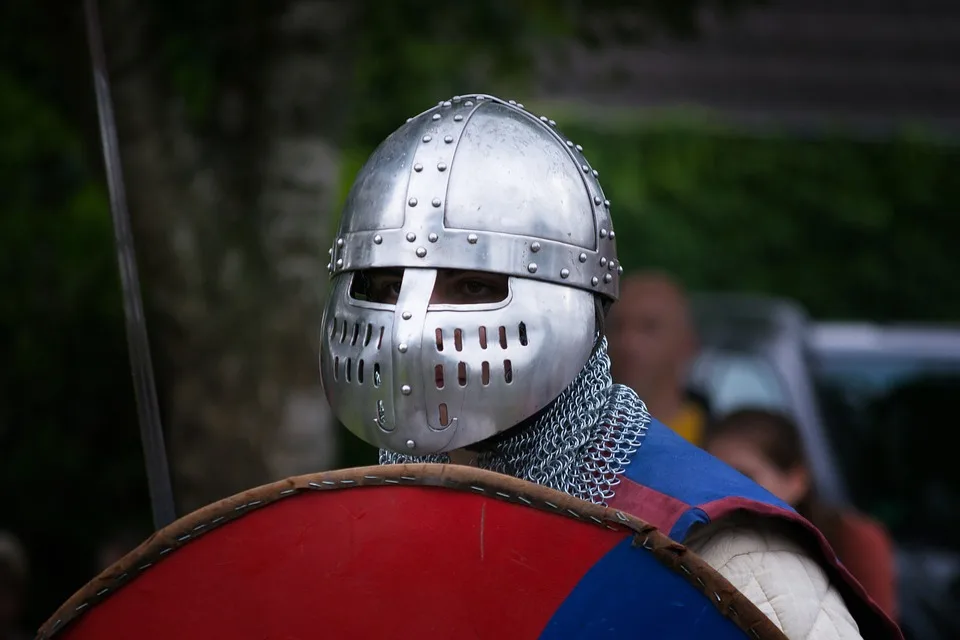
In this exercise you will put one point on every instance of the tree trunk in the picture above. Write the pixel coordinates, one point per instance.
(301, 118)
(231, 219)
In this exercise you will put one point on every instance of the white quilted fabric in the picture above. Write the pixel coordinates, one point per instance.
(761, 560)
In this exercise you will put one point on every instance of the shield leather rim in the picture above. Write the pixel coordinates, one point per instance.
(724, 596)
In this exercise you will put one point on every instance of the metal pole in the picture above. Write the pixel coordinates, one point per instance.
(148, 409)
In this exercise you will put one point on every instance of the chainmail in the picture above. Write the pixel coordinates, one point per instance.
(579, 444)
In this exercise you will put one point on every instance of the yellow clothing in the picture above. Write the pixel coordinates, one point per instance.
(690, 423)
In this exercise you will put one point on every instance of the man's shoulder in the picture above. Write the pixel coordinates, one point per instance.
(768, 562)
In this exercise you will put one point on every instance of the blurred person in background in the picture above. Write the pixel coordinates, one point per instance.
(652, 344)
(13, 586)
(767, 448)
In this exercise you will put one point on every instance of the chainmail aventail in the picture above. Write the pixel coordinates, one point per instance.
(579, 445)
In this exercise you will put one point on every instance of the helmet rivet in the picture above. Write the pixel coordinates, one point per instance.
(583, 257)
(607, 278)
(579, 148)
(472, 238)
(409, 119)
(603, 262)
(456, 98)
(411, 444)
(406, 390)
(433, 237)
(594, 281)
(569, 142)
(339, 242)
(535, 247)
(585, 168)
(402, 347)
(553, 123)
(436, 116)
(436, 202)
(329, 252)
(611, 234)
(421, 252)
(513, 102)
(612, 265)
(448, 139)
(458, 117)
(411, 236)
(520, 105)
(441, 166)
(418, 167)
(564, 273)
(406, 315)
(532, 267)
(620, 269)
(603, 233)
(446, 103)
(339, 263)
(596, 174)
(329, 267)
(378, 239)
(468, 103)
(413, 202)
(427, 138)
(606, 203)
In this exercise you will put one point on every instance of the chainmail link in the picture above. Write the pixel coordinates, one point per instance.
(579, 445)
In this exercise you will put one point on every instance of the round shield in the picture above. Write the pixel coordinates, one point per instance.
(408, 551)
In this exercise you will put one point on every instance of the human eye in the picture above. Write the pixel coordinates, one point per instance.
(475, 287)
(388, 291)
(385, 288)
(479, 288)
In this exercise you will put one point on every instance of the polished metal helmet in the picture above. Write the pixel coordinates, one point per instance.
(480, 184)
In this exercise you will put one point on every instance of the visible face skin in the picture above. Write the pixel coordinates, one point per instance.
(651, 338)
(746, 457)
(452, 286)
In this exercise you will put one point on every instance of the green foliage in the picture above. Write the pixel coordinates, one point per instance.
(67, 421)
(413, 52)
(849, 228)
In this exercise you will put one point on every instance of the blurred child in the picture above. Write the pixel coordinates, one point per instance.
(767, 448)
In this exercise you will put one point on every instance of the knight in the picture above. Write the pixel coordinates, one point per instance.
(472, 271)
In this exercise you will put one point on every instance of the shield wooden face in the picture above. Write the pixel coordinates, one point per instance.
(419, 551)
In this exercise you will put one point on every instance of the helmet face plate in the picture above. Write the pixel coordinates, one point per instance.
(422, 378)
(474, 184)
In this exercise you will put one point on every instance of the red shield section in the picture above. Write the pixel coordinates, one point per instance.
(381, 552)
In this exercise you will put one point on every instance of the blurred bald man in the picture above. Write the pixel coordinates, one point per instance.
(652, 344)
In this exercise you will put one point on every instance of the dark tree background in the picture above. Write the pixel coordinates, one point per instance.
(241, 125)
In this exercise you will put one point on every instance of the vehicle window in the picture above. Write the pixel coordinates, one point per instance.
(889, 419)
(731, 380)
